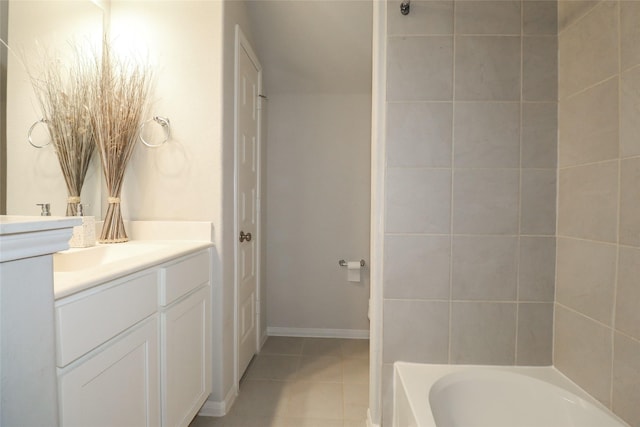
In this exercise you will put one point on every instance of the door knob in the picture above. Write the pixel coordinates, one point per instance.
(244, 237)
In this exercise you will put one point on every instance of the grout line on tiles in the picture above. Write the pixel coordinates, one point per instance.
(582, 239)
(517, 320)
(468, 101)
(451, 186)
(636, 340)
(581, 314)
(443, 300)
(513, 168)
(618, 211)
(600, 162)
(591, 86)
(557, 199)
(579, 18)
(423, 234)
(631, 68)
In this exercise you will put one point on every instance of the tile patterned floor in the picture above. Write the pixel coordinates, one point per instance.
(302, 382)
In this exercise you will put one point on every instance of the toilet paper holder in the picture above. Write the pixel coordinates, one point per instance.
(343, 263)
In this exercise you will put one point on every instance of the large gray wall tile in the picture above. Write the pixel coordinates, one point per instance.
(418, 200)
(588, 125)
(498, 57)
(629, 33)
(540, 68)
(483, 333)
(536, 269)
(538, 201)
(420, 68)
(487, 17)
(588, 201)
(417, 267)
(416, 331)
(630, 201)
(497, 133)
(426, 17)
(582, 351)
(535, 334)
(485, 201)
(484, 268)
(586, 277)
(628, 292)
(630, 113)
(540, 17)
(419, 134)
(571, 10)
(539, 135)
(487, 134)
(626, 379)
(587, 54)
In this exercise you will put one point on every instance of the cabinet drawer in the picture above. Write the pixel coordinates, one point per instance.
(180, 278)
(85, 323)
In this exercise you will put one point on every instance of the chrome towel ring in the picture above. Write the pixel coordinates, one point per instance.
(166, 127)
(31, 130)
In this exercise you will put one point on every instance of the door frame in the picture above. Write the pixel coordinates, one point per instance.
(241, 42)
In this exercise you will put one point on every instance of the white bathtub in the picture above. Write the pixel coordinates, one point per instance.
(492, 396)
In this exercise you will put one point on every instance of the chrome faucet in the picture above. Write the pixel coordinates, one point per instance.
(45, 209)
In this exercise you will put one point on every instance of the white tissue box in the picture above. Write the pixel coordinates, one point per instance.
(84, 235)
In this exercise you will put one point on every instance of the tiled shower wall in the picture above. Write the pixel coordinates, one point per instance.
(470, 184)
(597, 326)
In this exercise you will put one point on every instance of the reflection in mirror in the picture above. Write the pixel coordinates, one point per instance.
(33, 175)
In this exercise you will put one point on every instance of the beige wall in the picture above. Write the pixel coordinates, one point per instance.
(470, 184)
(179, 180)
(317, 209)
(597, 319)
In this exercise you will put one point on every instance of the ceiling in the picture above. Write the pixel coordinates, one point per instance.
(313, 46)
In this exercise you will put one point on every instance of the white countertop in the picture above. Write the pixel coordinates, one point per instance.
(31, 236)
(13, 224)
(137, 255)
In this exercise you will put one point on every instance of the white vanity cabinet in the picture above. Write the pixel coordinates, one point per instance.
(186, 339)
(135, 351)
(118, 386)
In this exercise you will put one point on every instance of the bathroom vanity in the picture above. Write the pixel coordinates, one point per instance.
(133, 333)
(112, 335)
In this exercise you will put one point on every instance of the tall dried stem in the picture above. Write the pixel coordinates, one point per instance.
(63, 92)
(119, 99)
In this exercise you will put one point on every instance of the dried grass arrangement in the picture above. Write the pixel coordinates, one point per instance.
(118, 104)
(63, 92)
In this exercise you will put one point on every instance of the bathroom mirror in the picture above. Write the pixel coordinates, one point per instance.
(32, 175)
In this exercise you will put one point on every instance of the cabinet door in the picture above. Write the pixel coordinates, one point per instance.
(117, 386)
(186, 361)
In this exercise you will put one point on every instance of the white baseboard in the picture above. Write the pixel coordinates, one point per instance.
(369, 422)
(219, 409)
(318, 333)
(263, 339)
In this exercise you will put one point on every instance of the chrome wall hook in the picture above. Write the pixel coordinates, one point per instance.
(166, 127)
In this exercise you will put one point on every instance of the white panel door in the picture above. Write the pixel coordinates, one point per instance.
(247, 160)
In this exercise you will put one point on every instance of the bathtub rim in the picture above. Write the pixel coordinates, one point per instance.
(417, 379)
